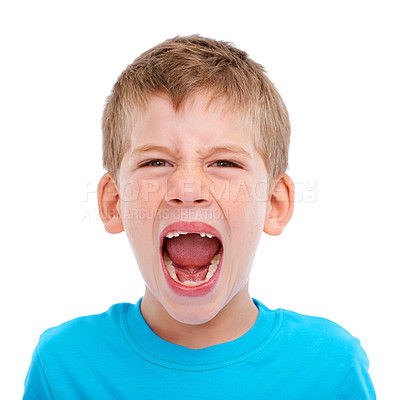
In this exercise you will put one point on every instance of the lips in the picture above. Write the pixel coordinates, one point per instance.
(190, 227)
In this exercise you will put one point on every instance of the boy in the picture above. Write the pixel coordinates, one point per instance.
(195, 142)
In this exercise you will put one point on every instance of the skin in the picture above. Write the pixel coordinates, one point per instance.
(191, 183)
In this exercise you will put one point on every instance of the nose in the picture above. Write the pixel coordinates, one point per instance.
(187, 187)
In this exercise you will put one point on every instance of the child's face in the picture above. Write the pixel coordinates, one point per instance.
(189, 184)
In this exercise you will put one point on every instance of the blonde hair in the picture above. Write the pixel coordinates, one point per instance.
(182, 66)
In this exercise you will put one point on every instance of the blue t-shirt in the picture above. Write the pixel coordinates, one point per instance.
(115, 355)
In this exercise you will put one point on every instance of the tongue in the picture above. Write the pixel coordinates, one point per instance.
(192, 250)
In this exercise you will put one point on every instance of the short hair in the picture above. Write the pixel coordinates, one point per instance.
(182, 66)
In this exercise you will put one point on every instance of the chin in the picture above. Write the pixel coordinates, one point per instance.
(192, 313)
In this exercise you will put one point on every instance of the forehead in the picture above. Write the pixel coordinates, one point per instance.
(199, 118)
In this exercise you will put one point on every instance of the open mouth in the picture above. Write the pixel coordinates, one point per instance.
(191, 258)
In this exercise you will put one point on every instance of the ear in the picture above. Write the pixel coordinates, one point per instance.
(108, 201)
(279, 206)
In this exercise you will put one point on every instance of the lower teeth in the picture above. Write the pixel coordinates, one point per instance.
(211, 270)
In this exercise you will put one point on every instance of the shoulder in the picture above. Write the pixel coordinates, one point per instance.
(314, 339)
(331, 350)
(319, 338)
(82, 331)
(321, 355)
(298, 327)
(318, 327)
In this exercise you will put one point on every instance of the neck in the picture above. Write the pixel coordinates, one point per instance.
(233, 321)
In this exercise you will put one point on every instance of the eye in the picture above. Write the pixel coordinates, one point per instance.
(226, 163)
(155, 163)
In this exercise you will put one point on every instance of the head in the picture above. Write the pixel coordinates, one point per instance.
(194, 132)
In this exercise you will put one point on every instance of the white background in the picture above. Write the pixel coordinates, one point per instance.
(336, 66)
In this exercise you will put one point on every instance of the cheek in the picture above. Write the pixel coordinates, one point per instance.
(241, 196)
(130, 191)
(246, 217)
(140, 201)
(141, 195)
(149, 192)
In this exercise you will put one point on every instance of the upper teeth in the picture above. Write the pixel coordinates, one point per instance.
(172, 234)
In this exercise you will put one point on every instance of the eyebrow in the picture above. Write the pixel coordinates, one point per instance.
(208, 152)
(149, 147)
